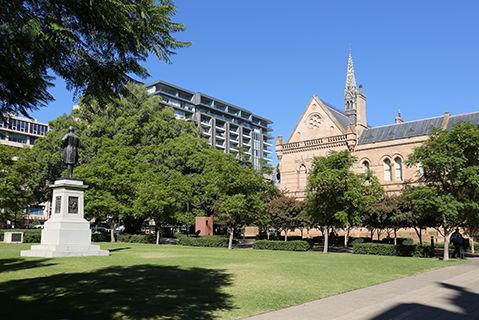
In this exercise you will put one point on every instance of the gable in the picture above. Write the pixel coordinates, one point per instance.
(317, 121)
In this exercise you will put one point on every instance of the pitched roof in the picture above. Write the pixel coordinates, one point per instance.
(400, 130)
(340, 116)
(466, 117)
(413, 128)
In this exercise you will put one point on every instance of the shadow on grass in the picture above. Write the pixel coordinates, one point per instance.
(134, 292)
(119, 249)
(464, 300)
(15, 264)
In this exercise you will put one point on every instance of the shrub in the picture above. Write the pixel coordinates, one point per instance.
(296, 245)
(135, 238)
(424, 251)
(206, 241)
(100, 237)
(383, 249)
(406, 241)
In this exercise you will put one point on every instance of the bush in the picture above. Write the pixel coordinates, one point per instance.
(135, 238)
(382, 249)
(206, 241)
(296, 245)
(29, 235)
(100, 237)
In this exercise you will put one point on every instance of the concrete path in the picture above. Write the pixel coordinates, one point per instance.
(445, 294)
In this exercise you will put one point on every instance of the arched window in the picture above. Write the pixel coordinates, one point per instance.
(420, 170)
(366, 166)
(387, 170)
(302, 177)
(398, 167)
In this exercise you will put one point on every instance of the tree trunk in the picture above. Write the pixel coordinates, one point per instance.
(230, 242)
(285, 234)
(112, 232)
(157, 236)
(379, 234)
(445, 256)
(267, 234)
(420, 236)
(326, 239)
(372, 234)
(395, 237)
(346, 237)
(471, 242)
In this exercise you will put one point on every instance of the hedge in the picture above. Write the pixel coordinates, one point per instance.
(206, 241)
(135, 238)
(295, 245)
(381, 249)
(29, 235)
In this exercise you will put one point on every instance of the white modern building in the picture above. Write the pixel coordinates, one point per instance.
(20, 132)
(228, 127)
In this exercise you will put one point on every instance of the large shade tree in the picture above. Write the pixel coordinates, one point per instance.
(336, 196)
(450, 190)
(95, 46)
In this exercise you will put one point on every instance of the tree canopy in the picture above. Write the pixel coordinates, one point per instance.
(96, 46)
(450, 190)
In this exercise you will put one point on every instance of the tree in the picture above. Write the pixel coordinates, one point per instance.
(95, 46)
(416, 213)
(120, 140)
(335, 195)
(450, 161)
(15, 193)
(384, 214)
(285, 213)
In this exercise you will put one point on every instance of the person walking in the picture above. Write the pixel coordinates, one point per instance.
(457, 241)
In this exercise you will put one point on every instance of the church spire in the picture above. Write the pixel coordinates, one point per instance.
(350, 89)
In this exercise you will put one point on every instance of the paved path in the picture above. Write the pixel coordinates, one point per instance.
(446, 294)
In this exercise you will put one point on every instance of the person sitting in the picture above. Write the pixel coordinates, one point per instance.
(458, 242)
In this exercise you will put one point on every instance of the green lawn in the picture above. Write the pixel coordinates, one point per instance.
(141, 281)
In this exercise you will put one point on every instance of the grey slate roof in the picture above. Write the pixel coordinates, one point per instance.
(340, 116)
(413, 128)
(467, 117)
(400, 130)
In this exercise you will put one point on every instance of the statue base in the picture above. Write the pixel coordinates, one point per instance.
(66, 232)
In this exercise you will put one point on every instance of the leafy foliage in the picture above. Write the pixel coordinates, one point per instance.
(207, 241)
(381, 249)
(295, 245)
(450, 160)
(95, 46)
(335, 195)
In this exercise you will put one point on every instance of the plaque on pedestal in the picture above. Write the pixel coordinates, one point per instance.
(66, 232)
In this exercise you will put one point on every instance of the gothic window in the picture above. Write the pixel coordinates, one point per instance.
(420, 169)
(302, 177)
(398, 167)
(387, 170)
(314, 121)
(365, 165)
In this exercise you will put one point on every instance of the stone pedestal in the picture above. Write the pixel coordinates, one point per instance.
(66, 232)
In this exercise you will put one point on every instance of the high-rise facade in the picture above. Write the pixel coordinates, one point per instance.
(227, 127)
(20, 132)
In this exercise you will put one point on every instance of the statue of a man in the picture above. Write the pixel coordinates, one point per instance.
(70, 145)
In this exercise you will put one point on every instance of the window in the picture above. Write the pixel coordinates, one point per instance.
(420, 170)
(387, 170)
(365, 166)
(398, 167)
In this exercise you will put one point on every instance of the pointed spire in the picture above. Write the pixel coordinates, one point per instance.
(350, 89)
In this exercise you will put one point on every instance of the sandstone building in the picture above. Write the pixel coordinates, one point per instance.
(383, 150)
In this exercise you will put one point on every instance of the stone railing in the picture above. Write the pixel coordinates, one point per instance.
(314, 142)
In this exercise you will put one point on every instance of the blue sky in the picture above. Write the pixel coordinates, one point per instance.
(271, 56)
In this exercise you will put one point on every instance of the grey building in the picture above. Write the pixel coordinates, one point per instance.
(228, 127)
(19, 132)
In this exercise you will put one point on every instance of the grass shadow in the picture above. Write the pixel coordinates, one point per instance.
(119, 249)
(14, 264)
(133, 292)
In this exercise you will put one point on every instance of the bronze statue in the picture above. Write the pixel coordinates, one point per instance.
(70, 145)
